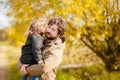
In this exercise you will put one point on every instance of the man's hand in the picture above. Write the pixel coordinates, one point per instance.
(23, 69)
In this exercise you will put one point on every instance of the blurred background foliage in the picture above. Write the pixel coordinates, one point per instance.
(92, 35)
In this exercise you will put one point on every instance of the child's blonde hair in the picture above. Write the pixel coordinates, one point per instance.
(34, 27)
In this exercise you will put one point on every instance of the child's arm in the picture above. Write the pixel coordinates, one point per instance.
(37, 44)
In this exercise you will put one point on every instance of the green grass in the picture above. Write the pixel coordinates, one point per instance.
(61, 75)
(95, 72)
(15, 74)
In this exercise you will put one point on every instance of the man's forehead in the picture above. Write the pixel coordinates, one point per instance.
(53, 25)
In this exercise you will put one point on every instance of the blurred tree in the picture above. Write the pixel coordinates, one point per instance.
(102, 36)
(94, 22)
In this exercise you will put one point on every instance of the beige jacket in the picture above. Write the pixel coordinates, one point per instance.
(52, 55)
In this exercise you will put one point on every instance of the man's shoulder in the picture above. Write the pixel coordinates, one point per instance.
(59, 40)
(58, 43)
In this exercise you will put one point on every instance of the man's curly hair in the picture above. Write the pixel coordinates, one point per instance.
(60, 23)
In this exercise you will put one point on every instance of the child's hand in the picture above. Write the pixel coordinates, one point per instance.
(40, 62)
(23, 69)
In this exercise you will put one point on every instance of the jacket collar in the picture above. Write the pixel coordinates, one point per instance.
(56, 40)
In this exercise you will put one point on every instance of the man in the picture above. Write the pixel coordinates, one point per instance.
(52, 54)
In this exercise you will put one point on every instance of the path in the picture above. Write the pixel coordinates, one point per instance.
(4, 65)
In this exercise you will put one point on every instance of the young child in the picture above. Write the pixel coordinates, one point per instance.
(31, 51)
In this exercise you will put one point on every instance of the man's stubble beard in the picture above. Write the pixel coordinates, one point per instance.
(50, 38)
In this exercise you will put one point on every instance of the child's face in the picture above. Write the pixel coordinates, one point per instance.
(42, 28)
(41, 25)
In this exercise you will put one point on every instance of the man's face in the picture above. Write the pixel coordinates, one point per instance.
(51, 31)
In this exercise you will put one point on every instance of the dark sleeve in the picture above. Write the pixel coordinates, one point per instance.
(37, 44)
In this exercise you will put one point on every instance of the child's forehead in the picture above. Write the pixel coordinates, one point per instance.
(40, 21)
